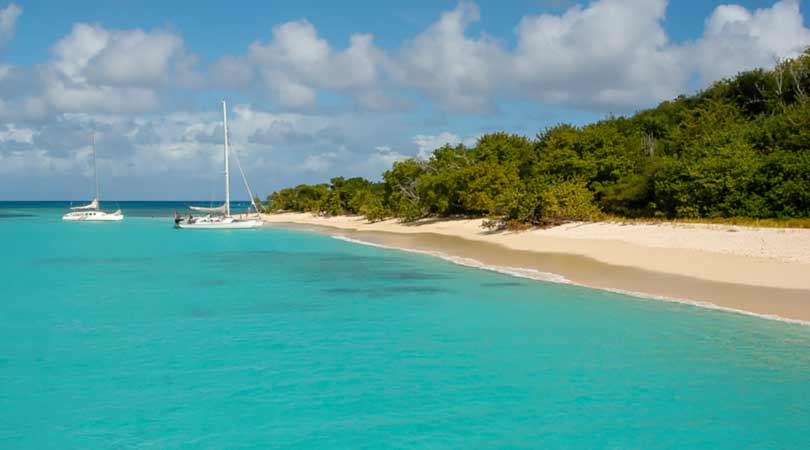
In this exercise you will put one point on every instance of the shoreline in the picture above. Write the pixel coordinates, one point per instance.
(751, 271)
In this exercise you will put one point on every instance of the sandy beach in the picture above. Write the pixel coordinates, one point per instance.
(763, 271)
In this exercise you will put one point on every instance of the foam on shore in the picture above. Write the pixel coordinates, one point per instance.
(519, 272)
(537, 275)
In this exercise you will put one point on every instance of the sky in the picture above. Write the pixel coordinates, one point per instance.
(318, 89)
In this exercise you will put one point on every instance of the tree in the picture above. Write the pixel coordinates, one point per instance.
(738, 148)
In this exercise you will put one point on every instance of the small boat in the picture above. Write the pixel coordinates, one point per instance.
(220, 218)
(91, 211)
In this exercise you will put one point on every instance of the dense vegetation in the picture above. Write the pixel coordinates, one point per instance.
(740, 148)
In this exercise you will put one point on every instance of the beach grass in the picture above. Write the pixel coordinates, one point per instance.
(733, 221)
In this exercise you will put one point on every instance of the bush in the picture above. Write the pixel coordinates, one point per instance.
(567, 201)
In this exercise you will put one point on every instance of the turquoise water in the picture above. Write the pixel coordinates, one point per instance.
(138, 336)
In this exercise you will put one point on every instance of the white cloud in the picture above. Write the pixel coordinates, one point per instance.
(458, 71)
(380, 160)
(232, 72)
(8, 22)
(73, 52)
(290, 93)
(736, 39)
(131, 57)
(354, 67)
(25, 109)
(297, 62)
(295, 45)
(186, 74)
(65, 96)
(179, 154)
(269, 129)
(613, 53)
(282, 131)
(16, 137)
(608, 55)
(387, 156)
(93, 69)
(426, 144)
(319, 163)
(117, 137)
(33, 163)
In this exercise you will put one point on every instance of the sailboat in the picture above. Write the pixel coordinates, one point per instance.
(220, 218)
(91, 212)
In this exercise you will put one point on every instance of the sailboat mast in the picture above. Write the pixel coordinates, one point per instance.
(95, 170)
(227, 175)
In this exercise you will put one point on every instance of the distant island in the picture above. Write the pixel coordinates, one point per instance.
(737, 150)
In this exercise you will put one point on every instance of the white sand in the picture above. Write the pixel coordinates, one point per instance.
(764, 257)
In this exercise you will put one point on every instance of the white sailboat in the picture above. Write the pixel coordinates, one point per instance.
(220, 218)
(91, 212)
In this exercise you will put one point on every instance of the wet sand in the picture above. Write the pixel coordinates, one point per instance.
(772, 287)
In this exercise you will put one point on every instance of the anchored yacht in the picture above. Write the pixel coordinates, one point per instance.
(91, 211)
(220, 218)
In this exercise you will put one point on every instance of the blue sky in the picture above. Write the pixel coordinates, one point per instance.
(318, 90)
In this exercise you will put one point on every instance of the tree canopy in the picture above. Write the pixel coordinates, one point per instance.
(740, 148)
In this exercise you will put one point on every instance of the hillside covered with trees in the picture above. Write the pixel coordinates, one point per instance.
(740, 148)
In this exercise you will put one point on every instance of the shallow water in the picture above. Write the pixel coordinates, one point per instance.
(136, 335)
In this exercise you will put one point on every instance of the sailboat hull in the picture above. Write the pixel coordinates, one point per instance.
(225, 224)
(93, 216)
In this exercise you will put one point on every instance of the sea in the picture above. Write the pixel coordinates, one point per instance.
(135, 335)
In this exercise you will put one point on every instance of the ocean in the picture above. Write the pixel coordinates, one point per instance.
(135, 335)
